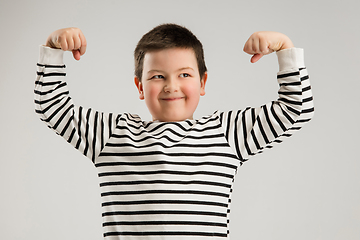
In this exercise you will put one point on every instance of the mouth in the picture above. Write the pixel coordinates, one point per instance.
(172, 99)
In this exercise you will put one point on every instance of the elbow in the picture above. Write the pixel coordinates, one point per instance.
(311, 114)
(307, 114)
(308, 109)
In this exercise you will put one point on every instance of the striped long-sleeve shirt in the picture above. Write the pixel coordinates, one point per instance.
(171, 180)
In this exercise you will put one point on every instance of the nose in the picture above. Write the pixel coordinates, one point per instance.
(171, 85)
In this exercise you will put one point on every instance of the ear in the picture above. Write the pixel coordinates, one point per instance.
(139, 86)
(202, 84)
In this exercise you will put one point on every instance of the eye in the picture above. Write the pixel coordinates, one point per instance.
(184, 75)
(157, 77)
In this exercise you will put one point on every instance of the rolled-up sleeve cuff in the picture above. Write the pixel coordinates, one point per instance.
(291, 58)
(51, 56)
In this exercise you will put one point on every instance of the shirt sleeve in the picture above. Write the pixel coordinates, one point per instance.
(87, 130)
(251, 130)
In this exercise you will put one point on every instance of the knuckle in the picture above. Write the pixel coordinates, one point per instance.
(258, 34)
(66, 31)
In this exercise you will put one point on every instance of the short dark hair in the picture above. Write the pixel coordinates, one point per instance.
(166, 36)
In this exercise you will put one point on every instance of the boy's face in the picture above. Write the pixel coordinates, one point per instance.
(171, 84)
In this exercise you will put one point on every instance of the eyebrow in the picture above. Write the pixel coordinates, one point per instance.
(180, 69)
(185, 68)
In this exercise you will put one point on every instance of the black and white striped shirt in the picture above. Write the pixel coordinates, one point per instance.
(171, 180)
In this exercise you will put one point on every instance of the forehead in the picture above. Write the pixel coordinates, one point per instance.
(170, 59)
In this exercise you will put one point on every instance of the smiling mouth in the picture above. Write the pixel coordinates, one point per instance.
(172, 99)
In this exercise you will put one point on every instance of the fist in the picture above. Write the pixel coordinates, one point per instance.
(263, 43)
(68, 39)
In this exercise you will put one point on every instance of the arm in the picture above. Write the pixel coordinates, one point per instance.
(254, 129)
(87, 130)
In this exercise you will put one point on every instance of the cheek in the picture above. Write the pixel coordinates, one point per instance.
(193, 96)
(192, 90)
(151, 92)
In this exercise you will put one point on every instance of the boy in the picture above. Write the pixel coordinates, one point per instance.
(171, 178)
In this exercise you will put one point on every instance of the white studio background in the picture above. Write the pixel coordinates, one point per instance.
(306, 188)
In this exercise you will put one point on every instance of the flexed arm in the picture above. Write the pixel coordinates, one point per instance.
(252, 130)
(87, 130)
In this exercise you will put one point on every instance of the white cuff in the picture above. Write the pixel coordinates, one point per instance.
(51, 56)
(290, 58)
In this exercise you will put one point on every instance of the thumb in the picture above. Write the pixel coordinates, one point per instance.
(256, 57)
(76, 54)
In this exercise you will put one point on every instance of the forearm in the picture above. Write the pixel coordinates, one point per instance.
(50, 88)
(292, 60)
